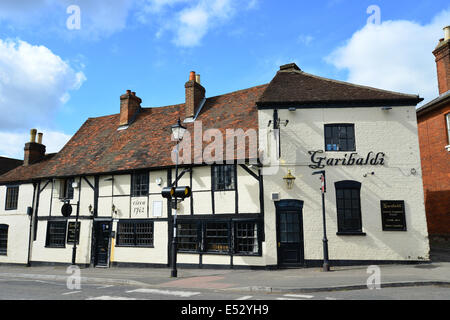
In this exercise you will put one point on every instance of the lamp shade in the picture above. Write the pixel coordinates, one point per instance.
(178, 130)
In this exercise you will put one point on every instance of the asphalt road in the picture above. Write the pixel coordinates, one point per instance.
(31, 289)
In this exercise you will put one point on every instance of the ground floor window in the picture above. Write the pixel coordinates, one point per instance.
(348, 202)
(233, 236)
(3, 239)
(56, 234)
(135, 233)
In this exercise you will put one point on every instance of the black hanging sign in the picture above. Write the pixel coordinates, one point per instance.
(393, 215)
(66, 210)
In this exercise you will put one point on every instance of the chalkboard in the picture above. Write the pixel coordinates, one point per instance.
(71, 232)
(393, 215)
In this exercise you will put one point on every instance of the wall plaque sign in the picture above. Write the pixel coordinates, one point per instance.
(349, 159)
(393, 215)
(139, 207)
(71, 236)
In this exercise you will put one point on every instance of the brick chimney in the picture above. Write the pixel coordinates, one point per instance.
(130, 106)
(442, 54)
(34, 151)
(195, 93)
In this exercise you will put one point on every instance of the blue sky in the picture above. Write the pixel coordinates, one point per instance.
(54, 78)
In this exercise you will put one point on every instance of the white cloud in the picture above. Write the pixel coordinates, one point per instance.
(34, 83)
(13, 143)
(395, 55)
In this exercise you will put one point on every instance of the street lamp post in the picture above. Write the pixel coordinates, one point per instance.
(178, 131)
(326, 264)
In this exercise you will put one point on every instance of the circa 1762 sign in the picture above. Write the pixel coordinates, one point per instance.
(349, 159)
(393, 215)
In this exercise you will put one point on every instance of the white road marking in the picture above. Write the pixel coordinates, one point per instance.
(104, 287)
(71, 292)
(184, 294)
(245, 298)
(110, 298)
(328, 298)
(287, 299)
(301, 296)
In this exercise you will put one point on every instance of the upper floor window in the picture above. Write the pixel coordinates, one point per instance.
(3, 239)
(348, 202)
(447, 118)
(12, 197)
(139, 184)
(224, 177)
(340, 137)
(66, 188)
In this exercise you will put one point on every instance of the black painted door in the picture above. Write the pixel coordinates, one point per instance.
(290, 232)
(102, 231)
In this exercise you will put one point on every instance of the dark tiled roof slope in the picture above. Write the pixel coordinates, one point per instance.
(297, 88)
(98, 147)
(7, 164)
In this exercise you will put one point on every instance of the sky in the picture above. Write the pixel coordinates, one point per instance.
(64, 61)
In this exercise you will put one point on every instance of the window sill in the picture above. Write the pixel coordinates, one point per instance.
(350, 233)
(131, 246)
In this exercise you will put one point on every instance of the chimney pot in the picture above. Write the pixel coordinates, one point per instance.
(192, 76)
(446, 33)
(40, 134)
(33, 135)
(197, 78)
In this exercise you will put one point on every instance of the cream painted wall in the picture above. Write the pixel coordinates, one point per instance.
(393, 132)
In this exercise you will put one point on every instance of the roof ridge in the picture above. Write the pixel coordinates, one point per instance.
(355, 85)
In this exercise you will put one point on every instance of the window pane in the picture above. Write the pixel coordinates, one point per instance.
(187, 234)
(224, 177)
(3, 239)
(56, 234)
(139, 184)
(348, 209)
(12, 195)
(246, 238)
(340, 137)
(217, 237)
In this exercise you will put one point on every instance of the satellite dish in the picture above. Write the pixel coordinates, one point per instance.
(66, 210)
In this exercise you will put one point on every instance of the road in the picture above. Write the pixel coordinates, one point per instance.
(34, 289)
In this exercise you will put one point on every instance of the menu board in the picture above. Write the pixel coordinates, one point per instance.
(393, 215)
(71, 232)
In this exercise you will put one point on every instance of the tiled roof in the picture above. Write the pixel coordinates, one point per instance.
(98, 147)
(294, 87)
(7, 164)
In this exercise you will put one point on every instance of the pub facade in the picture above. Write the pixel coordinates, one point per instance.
(249, 158)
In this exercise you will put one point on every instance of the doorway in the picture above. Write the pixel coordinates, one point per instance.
(102, 235)
(289, 220)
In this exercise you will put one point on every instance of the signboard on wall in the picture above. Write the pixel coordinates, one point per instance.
(393, 215)
(71, 235)
(139, 206)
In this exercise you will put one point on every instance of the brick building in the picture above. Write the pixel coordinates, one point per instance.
(434, 139)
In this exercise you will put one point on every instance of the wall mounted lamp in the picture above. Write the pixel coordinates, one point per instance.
(289, 179)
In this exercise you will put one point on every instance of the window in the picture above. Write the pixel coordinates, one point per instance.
(348, 206)
(217, 237)
(56, 234)
(187, 234)
(246, 237)
(224, 177)
(224, 237)
(340, 137)
(71, 235)
(3, 239)
(135, 233)
(12, 195)
(447, 118)
(139, 184)
(66, 189)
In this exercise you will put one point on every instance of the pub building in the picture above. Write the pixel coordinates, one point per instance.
(98, 201)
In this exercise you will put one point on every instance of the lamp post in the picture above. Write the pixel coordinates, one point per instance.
(178, 131)
(326, 264)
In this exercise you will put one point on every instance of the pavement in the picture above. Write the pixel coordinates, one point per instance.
(436, 273)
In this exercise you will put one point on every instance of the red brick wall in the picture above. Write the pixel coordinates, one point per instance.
(436, 169)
